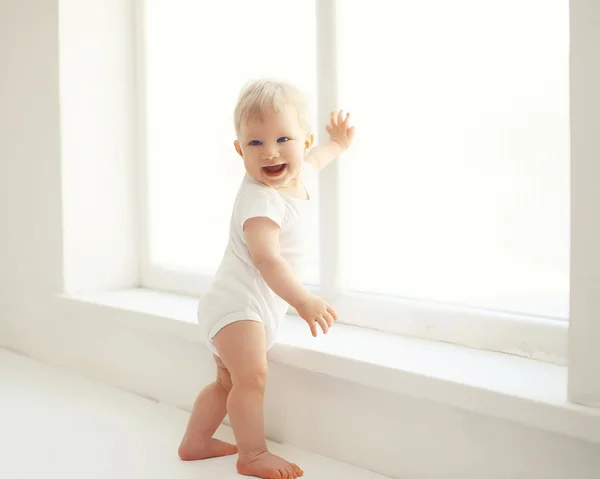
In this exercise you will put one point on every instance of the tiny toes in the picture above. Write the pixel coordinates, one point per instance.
(297, 470)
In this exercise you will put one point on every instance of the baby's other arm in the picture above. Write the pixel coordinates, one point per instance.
(340, 139)
(262, 238)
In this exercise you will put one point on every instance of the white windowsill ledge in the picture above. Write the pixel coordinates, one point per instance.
(508, 387)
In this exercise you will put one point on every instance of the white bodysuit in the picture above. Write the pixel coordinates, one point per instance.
(238, 291)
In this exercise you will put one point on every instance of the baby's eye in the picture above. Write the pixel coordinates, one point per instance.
(255, 143)
(283, 139)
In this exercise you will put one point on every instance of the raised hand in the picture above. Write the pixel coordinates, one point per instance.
(339, 129)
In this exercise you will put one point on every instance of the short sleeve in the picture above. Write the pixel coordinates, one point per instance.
(259, 201)
(310, 178)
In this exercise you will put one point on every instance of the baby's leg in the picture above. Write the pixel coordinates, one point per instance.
(242, 347)
(208, 413)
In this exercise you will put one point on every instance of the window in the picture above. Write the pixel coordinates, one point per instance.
(198, 55)
(456, 191)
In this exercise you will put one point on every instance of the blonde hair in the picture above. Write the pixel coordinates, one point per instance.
(265, 96)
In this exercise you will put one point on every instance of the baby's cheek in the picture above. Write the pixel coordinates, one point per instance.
(297, 150)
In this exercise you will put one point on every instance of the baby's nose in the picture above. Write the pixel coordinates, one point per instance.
(270, 153)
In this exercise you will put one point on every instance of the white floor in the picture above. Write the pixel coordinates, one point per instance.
(56, 425)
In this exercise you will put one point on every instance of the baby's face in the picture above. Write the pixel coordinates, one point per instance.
(273, 148)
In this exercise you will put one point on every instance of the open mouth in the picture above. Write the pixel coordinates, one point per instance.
(275, 170)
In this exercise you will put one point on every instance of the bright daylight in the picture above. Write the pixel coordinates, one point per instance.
(299, 238)
(457, 188)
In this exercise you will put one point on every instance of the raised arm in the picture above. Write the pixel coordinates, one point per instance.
(340, 139)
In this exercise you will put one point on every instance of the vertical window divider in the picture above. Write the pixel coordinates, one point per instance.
(329, 179)
(141, 150)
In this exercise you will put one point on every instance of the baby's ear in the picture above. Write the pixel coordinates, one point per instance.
(309, 141)
(238, 148)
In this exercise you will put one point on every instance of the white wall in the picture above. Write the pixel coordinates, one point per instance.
(399, 436)
(30, 200)
(97, 103)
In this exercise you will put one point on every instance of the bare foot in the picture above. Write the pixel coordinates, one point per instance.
(267, 466)
(196, 450)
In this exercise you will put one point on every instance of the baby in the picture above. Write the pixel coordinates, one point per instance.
(257, 279)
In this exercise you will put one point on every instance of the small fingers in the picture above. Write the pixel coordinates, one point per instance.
(328, 318)
(333, 119)
(332, 311)
(351, 133)
(339, 120)
(346, 123)
(313, 328)
(323, 324)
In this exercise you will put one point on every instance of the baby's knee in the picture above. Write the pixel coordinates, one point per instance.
(254, 377)
(224, 379)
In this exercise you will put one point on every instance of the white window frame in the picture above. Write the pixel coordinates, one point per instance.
(584, 320)
(538, 338)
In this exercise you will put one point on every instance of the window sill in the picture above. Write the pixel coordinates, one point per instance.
(508, 387)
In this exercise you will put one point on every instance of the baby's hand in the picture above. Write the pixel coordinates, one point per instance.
(339, 129)
(314, 311)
